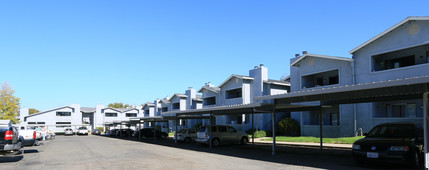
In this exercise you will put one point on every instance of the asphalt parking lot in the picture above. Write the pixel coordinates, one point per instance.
(99, 152)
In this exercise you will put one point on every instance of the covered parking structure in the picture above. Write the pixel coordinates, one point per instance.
(399, 89)
(258, 108)
(141, 120)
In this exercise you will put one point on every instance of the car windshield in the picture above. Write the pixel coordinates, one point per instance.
(392, 131)
(82, 128)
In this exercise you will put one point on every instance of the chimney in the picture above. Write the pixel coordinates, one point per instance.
(296, 55)
(261, 65)
(304, 52)
(256, 67)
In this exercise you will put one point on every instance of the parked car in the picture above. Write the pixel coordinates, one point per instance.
(82, 131)
(126, 132)
(68, 131)
(221, 134)
(186, 135)
(107, 133)
(150, 132)
(392, 143)
(96, 132)
(28, 136)
(113, 132)
(10, 142)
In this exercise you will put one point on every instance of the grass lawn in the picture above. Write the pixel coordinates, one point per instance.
(345, 140)
(171, 134)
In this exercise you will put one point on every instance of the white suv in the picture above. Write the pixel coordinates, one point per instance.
(221, 134)
(82, 131)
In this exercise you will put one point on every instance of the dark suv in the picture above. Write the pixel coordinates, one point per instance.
(10, 142)
(392, 143)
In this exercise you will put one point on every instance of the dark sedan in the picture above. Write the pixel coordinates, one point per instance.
(392, 143)
(149, 133)
(96, 132)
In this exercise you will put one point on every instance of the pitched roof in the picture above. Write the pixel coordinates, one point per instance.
(149, 104)
(178, 95)
(320, 56)
(277, 82)
(49, 111)
(115, 109)
(198, 98)
(129, 109)
(213, 89)
(87, 109)
(236, 76)
(165, 101)
(387, 31)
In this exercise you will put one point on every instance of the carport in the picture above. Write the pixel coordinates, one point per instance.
(391, 90)
(141, 120)
(260, 108)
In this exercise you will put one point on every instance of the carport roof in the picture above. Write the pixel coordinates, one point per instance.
(407, 88)
(223, 110)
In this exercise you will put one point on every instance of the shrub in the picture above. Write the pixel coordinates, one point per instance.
(101, 129)
(289, 127)
(260, 134)
(196, 126)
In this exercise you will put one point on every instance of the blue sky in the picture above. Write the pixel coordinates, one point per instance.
(57, 53)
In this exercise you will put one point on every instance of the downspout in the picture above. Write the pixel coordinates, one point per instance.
(354, 105)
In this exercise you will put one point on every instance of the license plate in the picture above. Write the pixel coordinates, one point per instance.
(372, 155)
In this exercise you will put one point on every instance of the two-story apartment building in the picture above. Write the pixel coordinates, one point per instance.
(239, 90)
(400, 52)
(313, 71)
(58, 119)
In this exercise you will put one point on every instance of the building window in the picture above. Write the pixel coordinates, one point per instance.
(176, 106)
(31, 123)
(401, 58)
(401, 110)
(63, 113)
(209, 101)
(131, 115)
(164, 109)
(63, 124)
(234, 93)
(40, 123)
(320, 79)
(111, 114)
(146, 112)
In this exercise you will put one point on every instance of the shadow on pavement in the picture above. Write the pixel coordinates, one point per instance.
(28, 151)
(308, 156)
(5, 159)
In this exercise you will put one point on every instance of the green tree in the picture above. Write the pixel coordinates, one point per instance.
(9, 104)
(32, 111)
(118, 105)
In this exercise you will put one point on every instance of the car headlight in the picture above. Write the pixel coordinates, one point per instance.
(357, 147)
(399, 148)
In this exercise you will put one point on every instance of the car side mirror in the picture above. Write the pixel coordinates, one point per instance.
(365, 134)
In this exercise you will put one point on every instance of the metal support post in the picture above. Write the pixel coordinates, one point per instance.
(175, 131)
(273, 121)
(154, 133)
(321, 128)
(253, 128)
(140, 132)
(210, 129)
(425, 128)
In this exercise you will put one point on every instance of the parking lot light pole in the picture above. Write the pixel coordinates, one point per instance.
(154, 133)
(321, 128)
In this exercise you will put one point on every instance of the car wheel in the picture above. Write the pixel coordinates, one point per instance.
(187, 140)
(244, 141)
(215, 142)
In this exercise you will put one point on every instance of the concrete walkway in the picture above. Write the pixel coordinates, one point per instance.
(332, 145)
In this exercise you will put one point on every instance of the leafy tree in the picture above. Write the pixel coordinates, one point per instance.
(32, 111)
(9, 104)
(118, 105)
